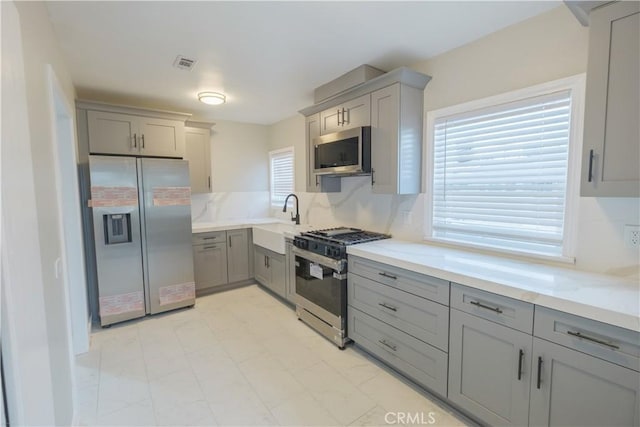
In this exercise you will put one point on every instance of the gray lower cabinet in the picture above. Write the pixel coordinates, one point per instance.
(238, 255)
(269, 270)
(221, 258)
(290, 261)
(210, 265)
(402, 318)
(424, 364)
(573, 388)
(489, 369)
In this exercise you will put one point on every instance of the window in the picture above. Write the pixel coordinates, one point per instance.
(281, 171)
(502, 170)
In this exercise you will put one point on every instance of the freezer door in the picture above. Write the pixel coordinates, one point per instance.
(166, 220)
(116, 226)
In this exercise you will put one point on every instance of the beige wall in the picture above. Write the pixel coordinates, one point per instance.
(39, 50)
(290, 133)
(239, 157)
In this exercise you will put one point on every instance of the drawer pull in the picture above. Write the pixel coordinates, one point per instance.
(520, 357)
(388, 307)
(595, 340)
(209, 247)
(386, 344)
(539, 372)
(209, 238)
(479, 304)
(390, 276)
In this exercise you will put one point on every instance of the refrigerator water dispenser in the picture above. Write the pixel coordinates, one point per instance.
(117, 228)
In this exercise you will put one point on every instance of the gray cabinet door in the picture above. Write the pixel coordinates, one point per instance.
(351, 114)
(113, 133)
(487, 374)
(396, 146)
(260, 269)
(611, 135)
(238, 255)
(576, 389)
(316, 183)
(210, 265)
(290, 262)
(161, 137)
(198, 153)
(278, 274)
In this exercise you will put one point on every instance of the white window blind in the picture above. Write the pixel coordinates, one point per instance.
(500, 175)
(282, 179)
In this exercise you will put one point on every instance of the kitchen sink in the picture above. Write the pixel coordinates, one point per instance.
(271, 236)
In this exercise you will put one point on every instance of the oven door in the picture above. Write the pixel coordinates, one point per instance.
(322, 283)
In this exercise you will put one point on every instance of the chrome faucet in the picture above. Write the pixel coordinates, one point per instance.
(295, 218)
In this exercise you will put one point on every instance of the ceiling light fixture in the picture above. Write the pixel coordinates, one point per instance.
(212, 98)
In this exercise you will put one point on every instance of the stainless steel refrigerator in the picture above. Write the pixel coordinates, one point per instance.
(142, 230)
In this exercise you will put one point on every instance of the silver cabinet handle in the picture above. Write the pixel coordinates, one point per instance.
(209, 238)
(317, 183)
(209, 181)
(229, 241)
(348, 121)
(486, 307)
(339, 122)
(209, 247)
(590, 177)
(390, 276)
(595, 340)
(373, 181)
(142, 136)
(135, 142)
(388, 307)
(386, 344)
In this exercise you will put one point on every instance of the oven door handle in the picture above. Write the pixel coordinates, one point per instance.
(337, 265)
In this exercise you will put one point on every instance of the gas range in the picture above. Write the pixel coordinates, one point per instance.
(333, 242)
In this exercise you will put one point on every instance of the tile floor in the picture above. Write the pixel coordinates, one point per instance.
(238, 358)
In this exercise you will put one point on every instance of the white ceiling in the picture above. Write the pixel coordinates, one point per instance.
(266, 56)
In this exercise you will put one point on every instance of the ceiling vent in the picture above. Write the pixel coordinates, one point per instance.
(184, 63)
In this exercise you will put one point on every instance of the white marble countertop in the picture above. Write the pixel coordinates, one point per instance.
(608, 299)
(231, 224)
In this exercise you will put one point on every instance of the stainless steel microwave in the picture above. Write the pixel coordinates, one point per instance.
(343, 153)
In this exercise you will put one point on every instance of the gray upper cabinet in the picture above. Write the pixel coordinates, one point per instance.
(351, 114)
(134, 132)
(396, 145)
(112, 133)
(489, 369)
(611, 154)
(238, 255)
(198, 153)
(317, 183)
(161, 137)
(570, 388)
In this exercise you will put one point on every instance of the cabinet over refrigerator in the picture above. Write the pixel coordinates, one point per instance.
(142, 230)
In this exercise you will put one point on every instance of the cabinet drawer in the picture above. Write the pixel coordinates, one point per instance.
(418, 284)
(608, 342)
(210, 237)
(423, 319)
(422, 363)
(497, 308)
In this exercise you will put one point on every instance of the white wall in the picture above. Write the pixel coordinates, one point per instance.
(40, 49)
(239, 174)
(544, 48)
(25, 341)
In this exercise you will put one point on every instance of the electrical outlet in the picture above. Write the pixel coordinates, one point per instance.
(632, 236)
